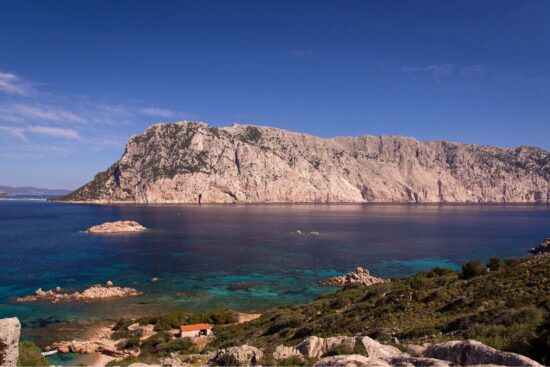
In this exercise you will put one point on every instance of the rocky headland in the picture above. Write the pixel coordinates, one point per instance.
(121, 226)
(542, 249)
(360, 276)
(95, 292)
(191, 162)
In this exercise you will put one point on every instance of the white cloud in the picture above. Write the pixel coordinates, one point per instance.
(37, 112)
(12, 84)
(14, 131)
(155, 111)
(56, 132)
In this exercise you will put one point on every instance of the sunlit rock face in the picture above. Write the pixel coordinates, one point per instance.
(188, 162)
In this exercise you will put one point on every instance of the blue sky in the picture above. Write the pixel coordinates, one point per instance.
(77, 78)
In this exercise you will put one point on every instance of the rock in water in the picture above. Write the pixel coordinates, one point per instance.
(120, 226)
(360, 275)
(95, 292)
(10, 330)
(182, 162)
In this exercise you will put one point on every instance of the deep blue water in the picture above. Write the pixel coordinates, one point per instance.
(242, 257)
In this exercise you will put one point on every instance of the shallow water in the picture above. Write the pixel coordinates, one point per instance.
(242, 257)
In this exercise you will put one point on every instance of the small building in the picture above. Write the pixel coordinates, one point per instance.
(195, 330)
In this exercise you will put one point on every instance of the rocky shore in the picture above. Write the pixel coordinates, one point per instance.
(360, 275)
(121, 226)
(95, 292)
(541, 249)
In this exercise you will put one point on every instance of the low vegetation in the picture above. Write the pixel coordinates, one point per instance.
(29, 355)
(505, 304)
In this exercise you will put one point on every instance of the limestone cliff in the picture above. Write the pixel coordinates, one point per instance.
(180, 162)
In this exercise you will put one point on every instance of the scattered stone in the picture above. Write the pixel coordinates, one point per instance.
(121, 226)
(58, 289)
(109, 284)
(314, 346)
(283, 352)
(154, 280)
(541, 249)
(10, 329)
(94, 292)
(348, 360)
(245, 354)
(360, 275)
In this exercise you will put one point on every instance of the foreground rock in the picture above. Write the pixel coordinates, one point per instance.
(10, 329)
(96, 292)
(360, 275)
(373, 353)
(245, 355)
(541, 249)
(121, 226)
(191, 162)
(471, 352)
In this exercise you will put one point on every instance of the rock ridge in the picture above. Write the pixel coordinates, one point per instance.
(191, 162)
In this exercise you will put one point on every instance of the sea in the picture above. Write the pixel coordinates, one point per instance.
(244, 257)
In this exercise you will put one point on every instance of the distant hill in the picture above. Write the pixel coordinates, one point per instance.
(30, 190)
(188, 162)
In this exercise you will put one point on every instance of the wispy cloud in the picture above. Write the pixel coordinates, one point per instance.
(434, 71)
(12, 84)
(155, 111)
(41, 112)
(14, 131)
(56, 132)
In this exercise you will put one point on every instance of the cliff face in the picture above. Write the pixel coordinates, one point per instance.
(177, 163)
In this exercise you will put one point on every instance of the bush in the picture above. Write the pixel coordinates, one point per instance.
(512, 261)
(29, 355)
(181, 345)
(227, 360)
(132, 342)
(472, 269)
(339, 350)
(437, 272)
(293, 361)
(494, 264)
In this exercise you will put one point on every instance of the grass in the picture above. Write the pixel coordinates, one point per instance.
(507, 308)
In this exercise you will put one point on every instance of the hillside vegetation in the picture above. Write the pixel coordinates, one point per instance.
(505, 304)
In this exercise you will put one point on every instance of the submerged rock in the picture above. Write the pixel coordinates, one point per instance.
(121, 226)
(10, 329)
(360, 275)
(94, 292)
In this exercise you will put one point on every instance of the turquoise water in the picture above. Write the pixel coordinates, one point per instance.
(241, 257)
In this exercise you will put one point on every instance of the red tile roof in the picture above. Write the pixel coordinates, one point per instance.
(194, 327)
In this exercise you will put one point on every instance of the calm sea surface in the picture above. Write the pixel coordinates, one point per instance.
(241, 257)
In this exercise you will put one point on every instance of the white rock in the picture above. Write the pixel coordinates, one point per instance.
(10, 329)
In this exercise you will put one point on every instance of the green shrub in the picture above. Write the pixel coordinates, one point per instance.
(181, 345)
(472, 269)
(122, 324)
(512, 261)
(227, 360)
(339, 350)
(29, 355)
(293, 361)
(494, 264)
(132, 342)
(437, 272)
